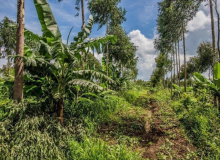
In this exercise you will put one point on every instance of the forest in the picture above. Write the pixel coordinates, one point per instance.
(59, 101)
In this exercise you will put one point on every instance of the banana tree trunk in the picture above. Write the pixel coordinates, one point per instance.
(19, 66)
(60, 109)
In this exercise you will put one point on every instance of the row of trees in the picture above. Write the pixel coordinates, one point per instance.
(172, 21)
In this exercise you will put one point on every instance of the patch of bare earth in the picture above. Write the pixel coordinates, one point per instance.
(158, 132)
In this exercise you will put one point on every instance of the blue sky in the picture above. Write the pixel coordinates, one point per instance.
(140, 26)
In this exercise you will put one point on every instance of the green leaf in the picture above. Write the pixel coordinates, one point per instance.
(217, 74)
(47, 20)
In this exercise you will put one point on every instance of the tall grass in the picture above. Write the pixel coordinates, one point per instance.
(97, 149)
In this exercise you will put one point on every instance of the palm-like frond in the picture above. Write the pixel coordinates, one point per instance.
(49, 25)
(85, 83)
(94, 75)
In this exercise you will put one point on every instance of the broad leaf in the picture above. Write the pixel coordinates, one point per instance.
(47, 20)
(217, 74)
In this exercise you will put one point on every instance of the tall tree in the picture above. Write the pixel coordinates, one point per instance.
(107, 13)
(218, 27)
(200, 63)
(172, 20)
(213, 33)
(78, 2)
(123, 52)
(7, 41)
(185, 65)
(19, 66)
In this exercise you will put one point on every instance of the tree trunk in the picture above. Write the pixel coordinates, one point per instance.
(179, 60)
(83, 26)
(107, 54)
(122, 70)
(174, 67)
(164, 78)
(177, 66)
(19, 66)
(9, 68)
(60, 109)
(171, 76)
(184, 51)
(218, 31)
(213, 34)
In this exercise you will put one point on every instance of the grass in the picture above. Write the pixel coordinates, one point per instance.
(199, 119)
(97, 149)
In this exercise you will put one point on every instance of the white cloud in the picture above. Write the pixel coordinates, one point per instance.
(98, 56)
(145, 52)
(145, 45)
(200, 21)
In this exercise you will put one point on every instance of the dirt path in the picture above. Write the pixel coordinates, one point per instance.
(165, 137)
(159, 133)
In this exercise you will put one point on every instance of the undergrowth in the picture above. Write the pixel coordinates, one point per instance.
(198, 117)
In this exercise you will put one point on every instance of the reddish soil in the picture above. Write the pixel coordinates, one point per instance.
(166, 139)
(160, 137)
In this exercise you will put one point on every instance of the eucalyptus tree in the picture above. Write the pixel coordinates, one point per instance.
(123, 52)
(107, 13)
(213, 32)
(172, 20)
(80, 4)
(218, 27)
(18, 84)
(200, 63)
(163, 65)
(7, 41)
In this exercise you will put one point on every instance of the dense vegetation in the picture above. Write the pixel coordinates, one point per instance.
(58, 101)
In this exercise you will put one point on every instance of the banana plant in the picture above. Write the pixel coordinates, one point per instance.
(179, 89)
(58, 60)
(203, 82)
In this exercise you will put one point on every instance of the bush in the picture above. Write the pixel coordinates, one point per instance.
(136, 98)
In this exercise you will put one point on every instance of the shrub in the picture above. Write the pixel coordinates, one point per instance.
(96, 149)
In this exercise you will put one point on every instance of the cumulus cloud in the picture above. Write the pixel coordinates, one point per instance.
(145, 45)
(145, 52)
(200, 21)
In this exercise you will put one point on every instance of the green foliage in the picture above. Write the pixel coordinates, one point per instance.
(217, 74)
(203, 82)
(93, 148)
(123, 52)
(200, 121)
(105, 11)
(200, 63)
(163, 65)
(136, 98)
(28, 133)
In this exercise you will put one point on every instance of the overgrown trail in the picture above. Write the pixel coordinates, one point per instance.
(158, 132)
(165, 137)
